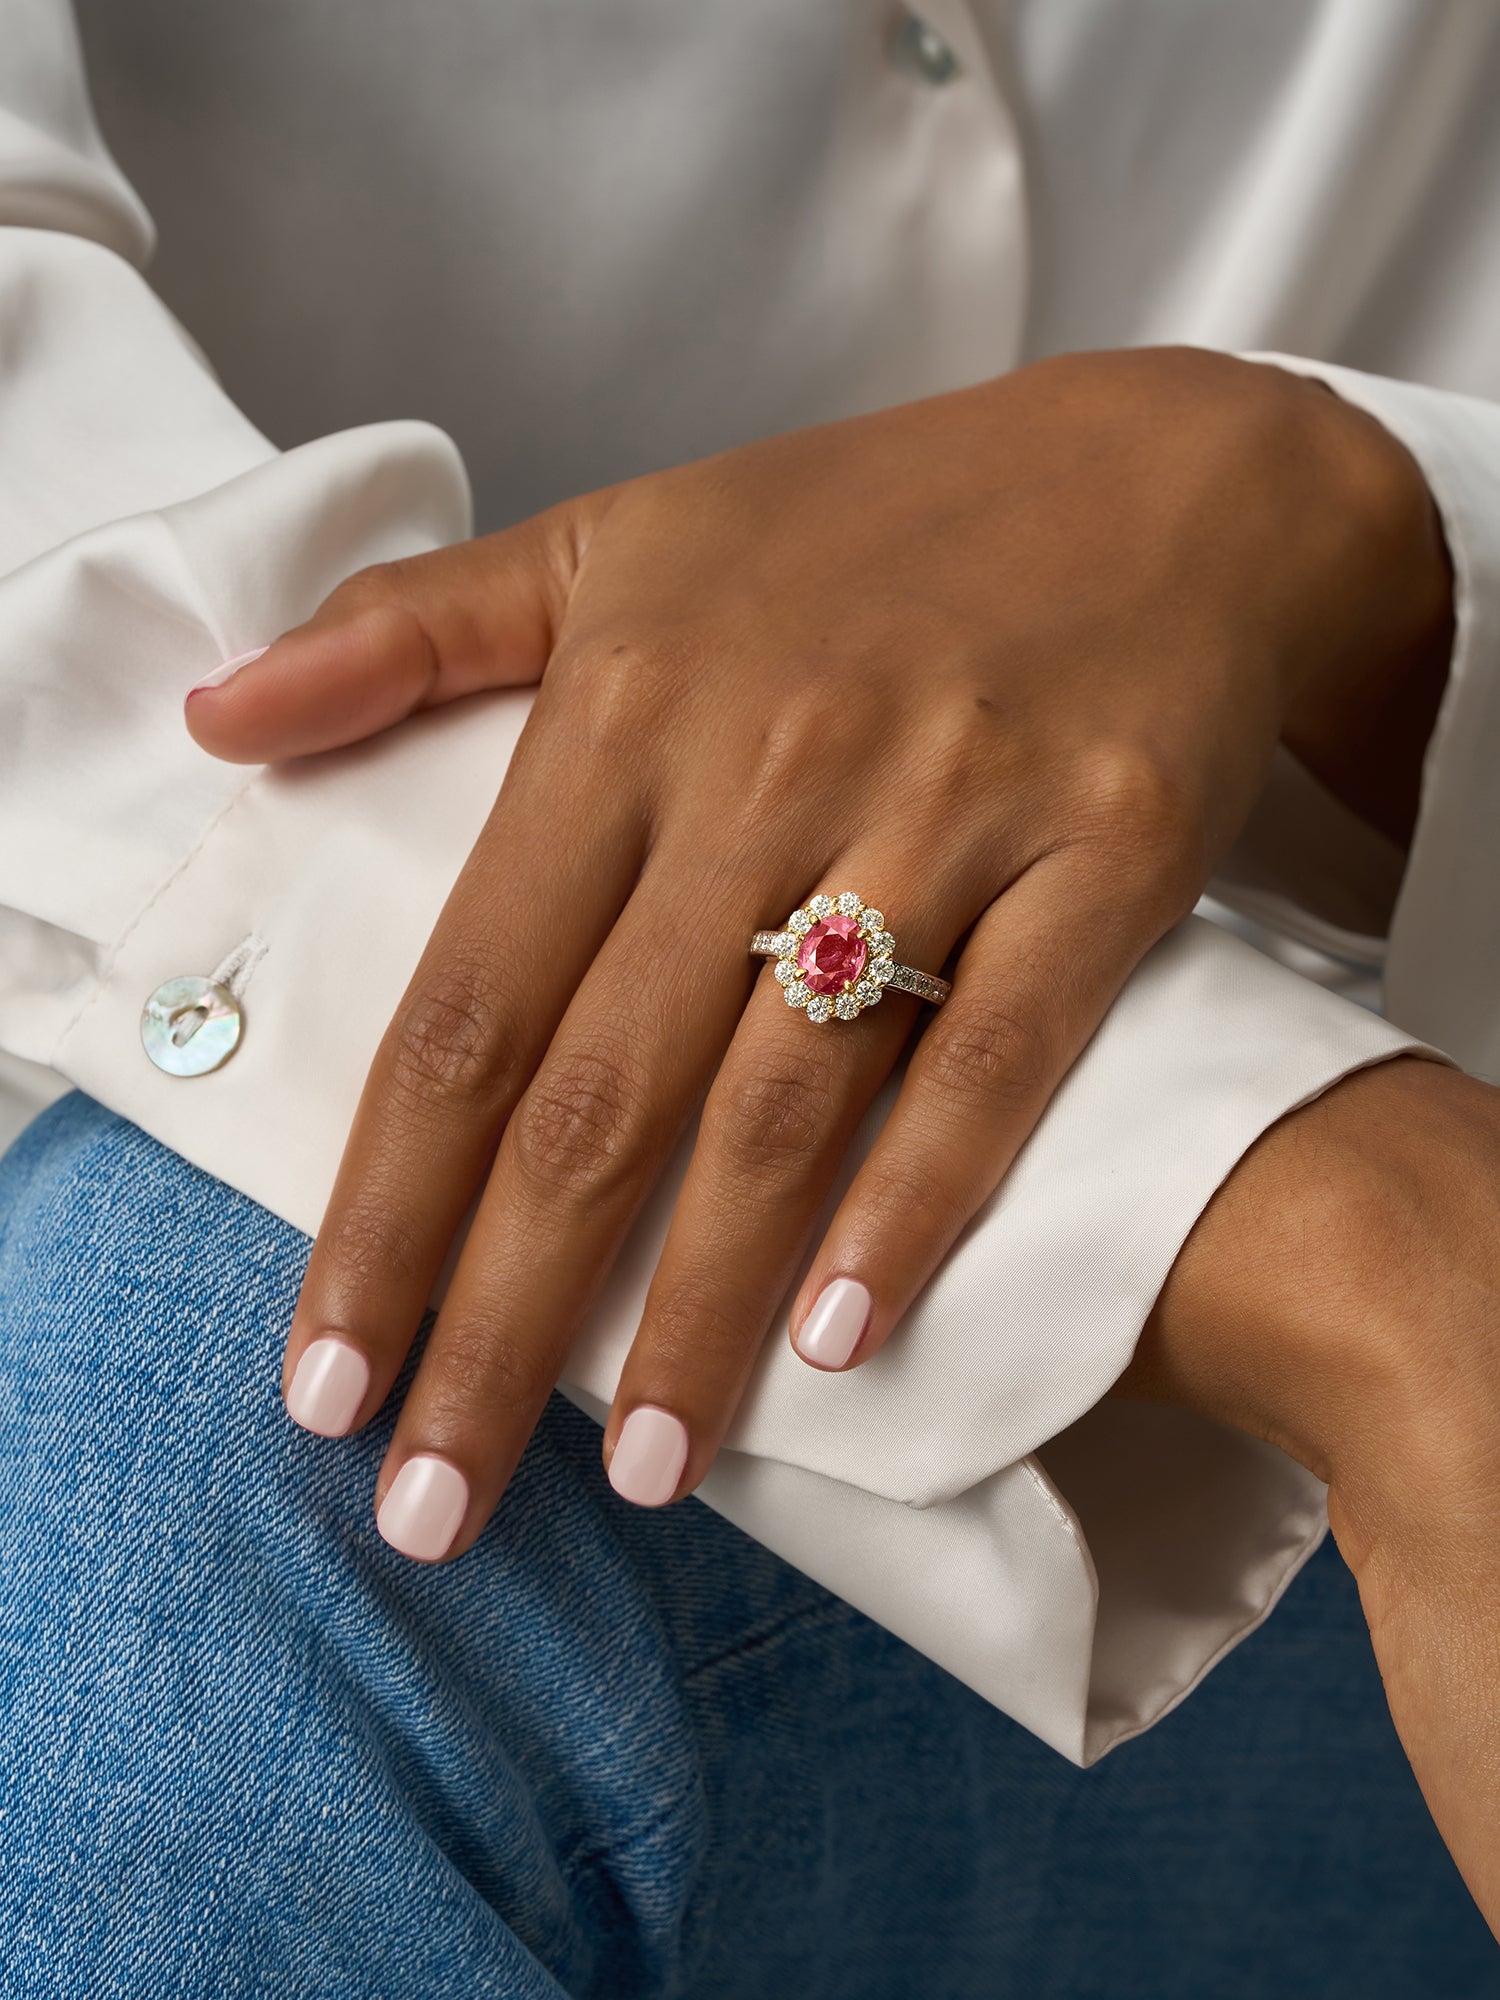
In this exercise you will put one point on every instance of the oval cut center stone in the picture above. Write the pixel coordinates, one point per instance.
(832, 955)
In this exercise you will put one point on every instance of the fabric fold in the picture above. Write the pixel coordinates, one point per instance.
(106, 632)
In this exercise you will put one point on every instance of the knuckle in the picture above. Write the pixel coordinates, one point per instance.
(376, 626)
(480, 1367)
(700, 1325)
(447, 1043)
(378, 608)
(393, 610)
(375, 584)
(367, 1243)
(776, 759)
(909, 1198)
(796, 733)
(1001, 1057)
(579, 1129)
(773, 1116)
(1131, 799)
(1142, 834)
(958, 765)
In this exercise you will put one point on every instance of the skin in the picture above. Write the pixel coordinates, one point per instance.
(1011, 663)
(1340, 1296)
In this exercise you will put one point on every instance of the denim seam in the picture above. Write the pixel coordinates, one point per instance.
(832, 1613)
(800, 1617)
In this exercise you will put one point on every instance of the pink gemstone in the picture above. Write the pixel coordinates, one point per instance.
(832, 955)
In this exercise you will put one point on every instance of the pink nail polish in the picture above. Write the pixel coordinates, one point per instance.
(836, 1324)
(425, 1508)
(328, 1387)
(649, 1456)
(226, 670)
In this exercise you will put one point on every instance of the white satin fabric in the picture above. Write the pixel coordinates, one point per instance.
(586, 244)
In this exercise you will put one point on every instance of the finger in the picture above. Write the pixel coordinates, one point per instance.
(1037, 975)
(775, 1126)
(398, 638)
(584, 1147)
(492, 984)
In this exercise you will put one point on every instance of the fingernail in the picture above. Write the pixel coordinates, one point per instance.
(328, 1387)
(649, 1456)
(226, 670)
(836, 1324)
(424, 1509)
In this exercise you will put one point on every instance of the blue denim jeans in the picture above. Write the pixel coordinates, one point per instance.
(247, 1749)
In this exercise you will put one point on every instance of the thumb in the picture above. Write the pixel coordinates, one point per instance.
(397, 638)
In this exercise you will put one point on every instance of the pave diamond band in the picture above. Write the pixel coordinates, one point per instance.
(835, 957)
(926, 985)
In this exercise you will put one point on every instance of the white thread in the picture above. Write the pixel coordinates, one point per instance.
(237, 968)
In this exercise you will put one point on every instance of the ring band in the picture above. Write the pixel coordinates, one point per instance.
(835, 957)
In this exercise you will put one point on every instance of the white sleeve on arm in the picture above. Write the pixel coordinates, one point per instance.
(146, 532)
(1081, 1563)
(1439, 913)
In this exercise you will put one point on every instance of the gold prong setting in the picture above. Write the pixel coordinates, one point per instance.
(849, 934)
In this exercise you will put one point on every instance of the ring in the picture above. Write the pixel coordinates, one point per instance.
(835, 957)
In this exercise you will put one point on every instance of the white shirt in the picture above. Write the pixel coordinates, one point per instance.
(577, 243)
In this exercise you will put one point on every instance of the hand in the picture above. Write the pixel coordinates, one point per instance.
(1341, 1297)
(1010, 663)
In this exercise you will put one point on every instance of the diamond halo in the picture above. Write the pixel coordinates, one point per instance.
(834, 957)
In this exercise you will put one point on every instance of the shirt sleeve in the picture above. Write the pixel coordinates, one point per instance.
(147, 530)
(1309, 868)
(1079, 1563)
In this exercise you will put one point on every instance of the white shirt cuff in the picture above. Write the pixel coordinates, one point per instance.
(1080, 1566)
(1442, 948)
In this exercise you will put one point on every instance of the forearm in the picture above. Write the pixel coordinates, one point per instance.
(1341, 1297)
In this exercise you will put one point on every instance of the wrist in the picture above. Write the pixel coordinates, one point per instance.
(1364, 707)
(1340, 1296)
